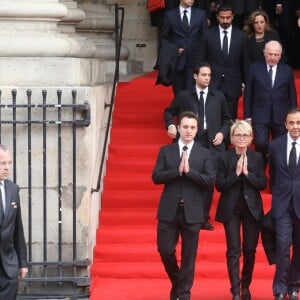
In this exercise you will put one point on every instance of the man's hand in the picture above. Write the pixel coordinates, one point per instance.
(172, 131)
(180, 51)
(218, 139)
(184, 163)
(22, 273)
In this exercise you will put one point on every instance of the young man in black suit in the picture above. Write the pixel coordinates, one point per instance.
(13, 254)
(183, 26)
(224, 49)
(185, 168)
(214, 123)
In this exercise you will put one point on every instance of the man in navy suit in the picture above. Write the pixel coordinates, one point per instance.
(186, 169)
(215, 122)
(13, 254)
(269, 93)
(285, 183)
(186, 35)
(228, 61)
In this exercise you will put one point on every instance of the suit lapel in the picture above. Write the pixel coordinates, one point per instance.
(8, 197)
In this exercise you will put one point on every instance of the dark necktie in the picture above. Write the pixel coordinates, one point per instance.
(184, 148)
(185, 21)
(201, 111)
(271, 75)
(1, 206)
(293, 158)
(225, 43)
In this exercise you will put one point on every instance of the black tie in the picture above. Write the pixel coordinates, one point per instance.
(271, 75)
(225, 43)
(293, 158)
(201, 111)
(1, 205)
(185, 21)
(184, 148)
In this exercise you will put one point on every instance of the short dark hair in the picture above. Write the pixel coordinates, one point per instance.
(225, 7)
(187, 114)
(292, 111)
(198, 66)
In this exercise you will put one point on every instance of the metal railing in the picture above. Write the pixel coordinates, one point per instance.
(17, 123)
(119, 23)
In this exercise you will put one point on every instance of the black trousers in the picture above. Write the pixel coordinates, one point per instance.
(8, 286)
(287, 274)
(181, 276)
(236, 244)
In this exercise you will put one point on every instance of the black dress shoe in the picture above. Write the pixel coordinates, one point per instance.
(207, 226)
(294, 296)
(236, 297)
(279, 297)
(246, 295)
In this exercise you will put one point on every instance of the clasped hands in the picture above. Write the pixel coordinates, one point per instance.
(184, 163)
(242, 165)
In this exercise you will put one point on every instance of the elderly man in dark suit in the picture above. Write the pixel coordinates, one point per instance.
(185, 168)
(214, 120)
(269, 93)
(184, 27)
(13, 255)
(224, 49)
(285, 210)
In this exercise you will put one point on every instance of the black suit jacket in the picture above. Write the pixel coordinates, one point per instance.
(230, 69)
(266, 104)
(229, 184)
(173, 32)
(188, 187)
(284, 186)
(216, 110)
(13, 253)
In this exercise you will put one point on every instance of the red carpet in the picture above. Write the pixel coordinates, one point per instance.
(126, 263)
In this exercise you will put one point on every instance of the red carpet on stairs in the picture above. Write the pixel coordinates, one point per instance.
(126, 263)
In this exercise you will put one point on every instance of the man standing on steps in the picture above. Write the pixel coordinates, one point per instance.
(13, 254)
(183, 27)
(186, 169)
(214, 117)
(284, 166)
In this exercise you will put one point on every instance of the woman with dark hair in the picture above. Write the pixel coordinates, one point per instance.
(259, 31)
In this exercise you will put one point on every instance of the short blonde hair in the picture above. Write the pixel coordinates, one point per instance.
(244, 126)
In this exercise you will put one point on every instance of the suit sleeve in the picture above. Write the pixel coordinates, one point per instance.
(256, 175)
(172, 111)
(204, 177)
(293, 93)
(161, 174)
(19, 239)
(248, 95)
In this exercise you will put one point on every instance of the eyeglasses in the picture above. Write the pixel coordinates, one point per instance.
(239, 136)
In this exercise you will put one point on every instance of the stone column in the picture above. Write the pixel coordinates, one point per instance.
(30, 43)
(99, 27)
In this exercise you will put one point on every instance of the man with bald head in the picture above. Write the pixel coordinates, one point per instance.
(269, 94)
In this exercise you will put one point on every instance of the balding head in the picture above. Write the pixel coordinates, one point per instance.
(272, 53)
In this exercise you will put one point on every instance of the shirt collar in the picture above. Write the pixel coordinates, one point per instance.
(182, 9)
(181, 145)
(229, 29)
